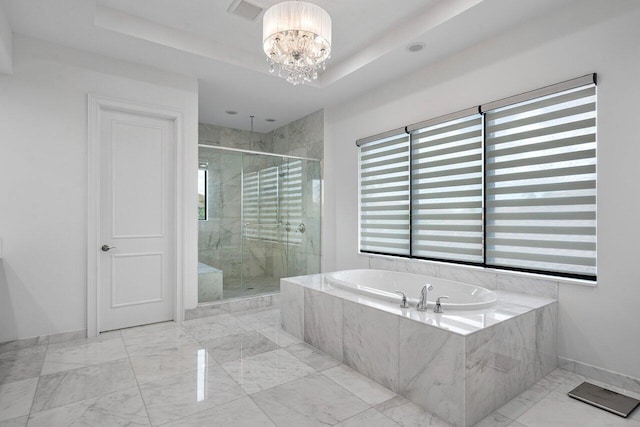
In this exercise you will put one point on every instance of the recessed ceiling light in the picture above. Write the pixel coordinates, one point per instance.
(269, 120)
(231, 112)
(415, 47)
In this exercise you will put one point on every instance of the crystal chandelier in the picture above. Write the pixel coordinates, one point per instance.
(296, 38)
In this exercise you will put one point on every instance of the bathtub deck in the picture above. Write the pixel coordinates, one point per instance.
(470, 360)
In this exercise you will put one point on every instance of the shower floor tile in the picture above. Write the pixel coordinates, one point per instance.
(237, 369)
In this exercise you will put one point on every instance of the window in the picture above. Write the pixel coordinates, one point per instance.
(446, 188)
(510, 184)
(541, 183)
(384, 194)
(202, 192)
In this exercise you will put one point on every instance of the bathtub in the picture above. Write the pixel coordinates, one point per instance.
(483, 350)
(383, 284)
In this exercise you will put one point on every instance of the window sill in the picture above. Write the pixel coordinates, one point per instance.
(522, 274)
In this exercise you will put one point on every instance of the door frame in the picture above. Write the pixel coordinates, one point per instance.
(96, 105)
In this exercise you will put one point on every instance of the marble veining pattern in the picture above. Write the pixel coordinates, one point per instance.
(66, 357)
(172, 398)
(431, 369)
(266, 370)
(234, 347)
(312, 356)
(313, 400)
(21, 364)
(122, 408)
(322, 319)
(198, 393)
(371, 343)
(16, 398)
(79, 384)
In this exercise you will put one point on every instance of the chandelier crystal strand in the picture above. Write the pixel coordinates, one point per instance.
(296, 38)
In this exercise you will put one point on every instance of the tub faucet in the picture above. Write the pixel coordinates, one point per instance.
(403, 304)
(422, 305)
(438, 307)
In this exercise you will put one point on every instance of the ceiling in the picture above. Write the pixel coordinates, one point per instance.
(200, 38)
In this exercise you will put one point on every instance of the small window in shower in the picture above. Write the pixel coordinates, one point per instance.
(202, 192)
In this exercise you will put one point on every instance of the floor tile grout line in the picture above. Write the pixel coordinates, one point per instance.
(200, 411)
(135, 376)
(368, 409)
(262, 410)
(358, 397)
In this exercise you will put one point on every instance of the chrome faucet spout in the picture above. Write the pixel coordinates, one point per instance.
(422, 304)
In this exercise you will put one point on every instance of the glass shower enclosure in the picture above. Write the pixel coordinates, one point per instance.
(259, 221)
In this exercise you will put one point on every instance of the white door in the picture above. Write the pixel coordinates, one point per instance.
(136, 261)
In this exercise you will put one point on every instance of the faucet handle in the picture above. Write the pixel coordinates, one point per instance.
(403, 304)
(438, 307)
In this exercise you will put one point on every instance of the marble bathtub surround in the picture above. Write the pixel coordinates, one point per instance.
(459, 365)
(524, 283)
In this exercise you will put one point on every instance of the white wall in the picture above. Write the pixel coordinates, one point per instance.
(6, 44)
(599, 325)
(43, 171)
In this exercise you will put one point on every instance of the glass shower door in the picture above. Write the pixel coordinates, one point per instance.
(259, 221)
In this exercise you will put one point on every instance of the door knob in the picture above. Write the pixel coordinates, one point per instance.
(106, 248)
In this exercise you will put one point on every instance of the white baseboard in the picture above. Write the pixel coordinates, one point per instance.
(600, 374)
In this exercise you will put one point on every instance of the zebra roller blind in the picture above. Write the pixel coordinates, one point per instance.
(541, 183)
(384, 194)
(446, 189)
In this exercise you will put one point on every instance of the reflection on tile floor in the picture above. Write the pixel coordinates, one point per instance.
(237, 369)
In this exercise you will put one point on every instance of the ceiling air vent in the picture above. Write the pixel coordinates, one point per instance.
(245, 10)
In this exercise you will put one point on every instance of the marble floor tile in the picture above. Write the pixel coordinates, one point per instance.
(66, 357)
(559, 410)
(368, 418)
(149, 329)
(79, 384)
(104, 336)
(168, 362)
(15, 422)
(151, 340)
(323, 321)
(232, 347)
(216, 327)
(280, 336)
(22, 344)
(172, 398)
(261, 319)
(122, 408)
(524, 401)
(21, 364)
(369, 332)
(310, 401)
(408, 414)
(242, 412)
(312, 356)
(495, 420)
(266, 370)
(366, 389)
(16, 398)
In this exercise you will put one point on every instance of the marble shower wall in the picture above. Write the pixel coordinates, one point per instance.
(302, 138)
(219, 237)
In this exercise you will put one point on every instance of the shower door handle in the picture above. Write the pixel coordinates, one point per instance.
(302, 228)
